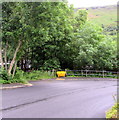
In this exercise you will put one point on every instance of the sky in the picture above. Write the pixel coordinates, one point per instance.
(92, 3)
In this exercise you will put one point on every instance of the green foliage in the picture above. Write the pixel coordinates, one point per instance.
(107, 55)
(93, 50)
(24, 77)
(55, 31)
(53, 36)
(19, 77)
(4, 78)
(106, 17)
(38, 75)
(51, 64)
(81, 17)
(112, 113)
(3, 74)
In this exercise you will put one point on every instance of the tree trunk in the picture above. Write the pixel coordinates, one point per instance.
(15, 66)
(14, 58)
(1, 59)
(5, 57)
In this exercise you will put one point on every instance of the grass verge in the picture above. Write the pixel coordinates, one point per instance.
(112, 113)
(25, 77)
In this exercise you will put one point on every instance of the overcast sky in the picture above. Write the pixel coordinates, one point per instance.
(92, 3)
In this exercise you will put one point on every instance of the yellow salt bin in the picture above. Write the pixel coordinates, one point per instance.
(61, 73)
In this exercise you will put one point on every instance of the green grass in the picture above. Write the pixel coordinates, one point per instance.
(38, 75)
(112, 113)
(104, 15)
(25, 77)
(95, 76)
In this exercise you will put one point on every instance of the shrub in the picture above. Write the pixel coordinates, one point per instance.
(4, 78)
(24, 77)
(19, 77)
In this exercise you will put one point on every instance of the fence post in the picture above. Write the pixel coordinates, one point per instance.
(86, 73)
(82, 72)
(53, 71)
(103, 73)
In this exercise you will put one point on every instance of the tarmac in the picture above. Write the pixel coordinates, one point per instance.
(20, 85)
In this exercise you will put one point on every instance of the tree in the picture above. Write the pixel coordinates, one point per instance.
(14, 26)
(53, 30)
(106, 55)
(32, 31)
(51, 35)
(94, 50)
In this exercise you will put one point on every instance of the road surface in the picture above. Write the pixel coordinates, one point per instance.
(61, 98)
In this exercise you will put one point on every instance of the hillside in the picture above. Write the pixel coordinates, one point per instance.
(106, 15)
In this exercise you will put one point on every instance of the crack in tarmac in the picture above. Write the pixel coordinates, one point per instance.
(36, 101)
(51, 97)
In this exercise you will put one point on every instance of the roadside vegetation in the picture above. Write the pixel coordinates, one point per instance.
(25, 77)
(113, 112)
(41, 37)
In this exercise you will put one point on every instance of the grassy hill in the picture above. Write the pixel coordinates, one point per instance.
(106, 15)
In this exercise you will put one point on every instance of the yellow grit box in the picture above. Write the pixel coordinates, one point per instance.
(61, 73)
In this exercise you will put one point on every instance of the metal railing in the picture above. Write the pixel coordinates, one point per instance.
(91, 73)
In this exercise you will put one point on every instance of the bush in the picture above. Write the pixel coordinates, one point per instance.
(20, 77)
(3, 74)
(24, 77)
(4, 78)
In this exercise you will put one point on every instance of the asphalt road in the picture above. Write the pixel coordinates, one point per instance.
(87, 98)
